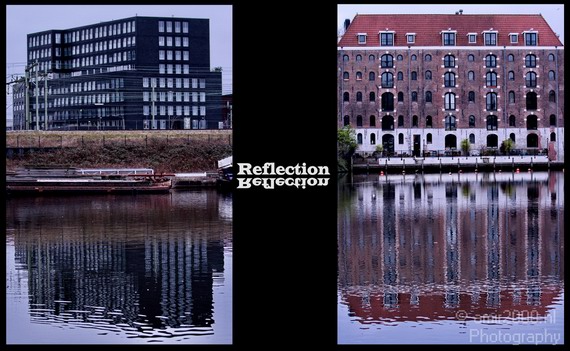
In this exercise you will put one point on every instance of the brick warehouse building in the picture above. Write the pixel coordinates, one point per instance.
(133, 73)
(420, 84)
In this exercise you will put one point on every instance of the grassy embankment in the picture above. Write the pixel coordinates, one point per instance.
(164, 151)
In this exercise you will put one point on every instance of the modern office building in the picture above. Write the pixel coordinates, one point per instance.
(133, 73)
(422, 84)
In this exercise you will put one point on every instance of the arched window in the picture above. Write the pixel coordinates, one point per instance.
(511, 75)
(552, 136)
(511, 58)
(400, 138)
(490, 61)
(387, 80)
(513, 137)
(428, 75)
(345, 58)
(471, 96)
(449, 101)
(388, 123)
(551, 75)
(511, 97)
(358, 75)
(450, 141)
(372, 121)
(427, 58)
(359, 138)
(471, 75)
(491, 101)
(531, 101)
(471, 58)
(400, 97)
(400, 76)
(346, 96)
(472, 121)
(414, 75)
(531, 122)
(551, 96)
(400, 121)
(387, 102)
(492, 140)
(387, 61)
(372, 96)
(346, 120)
(551, 58)
(414, 57)
(552, 120)
(449, 61)
(512, 121)
(429, 123)
(372, 138)
(414, 96)
(414, 121)
(492, 122)
(371, 76)
(530, 80)
(428, 96)
(371, 58)
(491, 79)
(358, 58)
(428, 138)
(532, 140)
(359, 96)
(345, 75)
(472, 138)
(450, 122)
(530, 61)
(449, 79)
(359, 121)
(400, 58)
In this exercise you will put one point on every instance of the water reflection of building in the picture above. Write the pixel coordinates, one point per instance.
(154, 257)
(432, 245)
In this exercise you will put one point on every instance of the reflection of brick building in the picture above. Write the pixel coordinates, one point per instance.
(436, 245)
(417, 83)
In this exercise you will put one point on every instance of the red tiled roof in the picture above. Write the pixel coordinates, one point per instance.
(428, 29)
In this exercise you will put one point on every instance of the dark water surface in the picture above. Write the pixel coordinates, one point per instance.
(119, 269)
(470, 258)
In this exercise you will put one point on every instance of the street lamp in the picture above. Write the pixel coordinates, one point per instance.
(80, 114)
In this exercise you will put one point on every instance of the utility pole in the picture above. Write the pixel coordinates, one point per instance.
(45, 98)
(37, 99)
(152, 112)
(26, 100)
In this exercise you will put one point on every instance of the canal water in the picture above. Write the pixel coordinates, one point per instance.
(459, 259)
(119, 269)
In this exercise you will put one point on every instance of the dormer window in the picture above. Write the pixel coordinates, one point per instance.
(410, 38)
(361, 38)
(387, 38)
(514, 38)
(448, 37)
(472, 38)
(530, 38)
(490, 38)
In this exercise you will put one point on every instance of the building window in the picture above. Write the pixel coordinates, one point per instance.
(471, 75)
(511, 58)
(358, 75)
(371, 76)
(472, 138)
(400, 121)
(387, 61)
(551, 75)
(472, 38)
(514, 38)
(552, 136)
(490, 61)
(371, 58)
(414, 57)
(161, 26)
(491, 101)
(531, 101)
(387, 39)
(449, 61)
(511, 75)
(449, 101)
(361, 38)
(530, 61)
(400, 76)
(414, 75)
(372, 121)
(359, 121)
(411, 38)
(346, 96)
(168, 41)
(471, 96)
(428, 75)
(450, 122)
(359, 138)
(471, 121)
(345, 75)
(551, 96)
(492, 122)
(530, 39)
(427, 58)
(345, 58)
(492, 140)
(346, 120)
(491, 79)
(160, 41)
(428, 138)
(428, 96)
(531, 122)
(400, 97)
(168, 27)
(184, 27)
(414, 121)
(387, 103)
(511, 97)
(358, 58)
(449, 79)
(399, 58)
(358, 96)
(372, 96)
(512, 121)
(551, 58)
(490, 38)
(530, 80)
(429, 122)
(471, 58)
(387, 80)
(401, 138)
(449, 38)
(553, 120)
(414, 96)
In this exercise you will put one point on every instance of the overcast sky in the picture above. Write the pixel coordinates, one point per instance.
(24, 19)
(553, 14)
